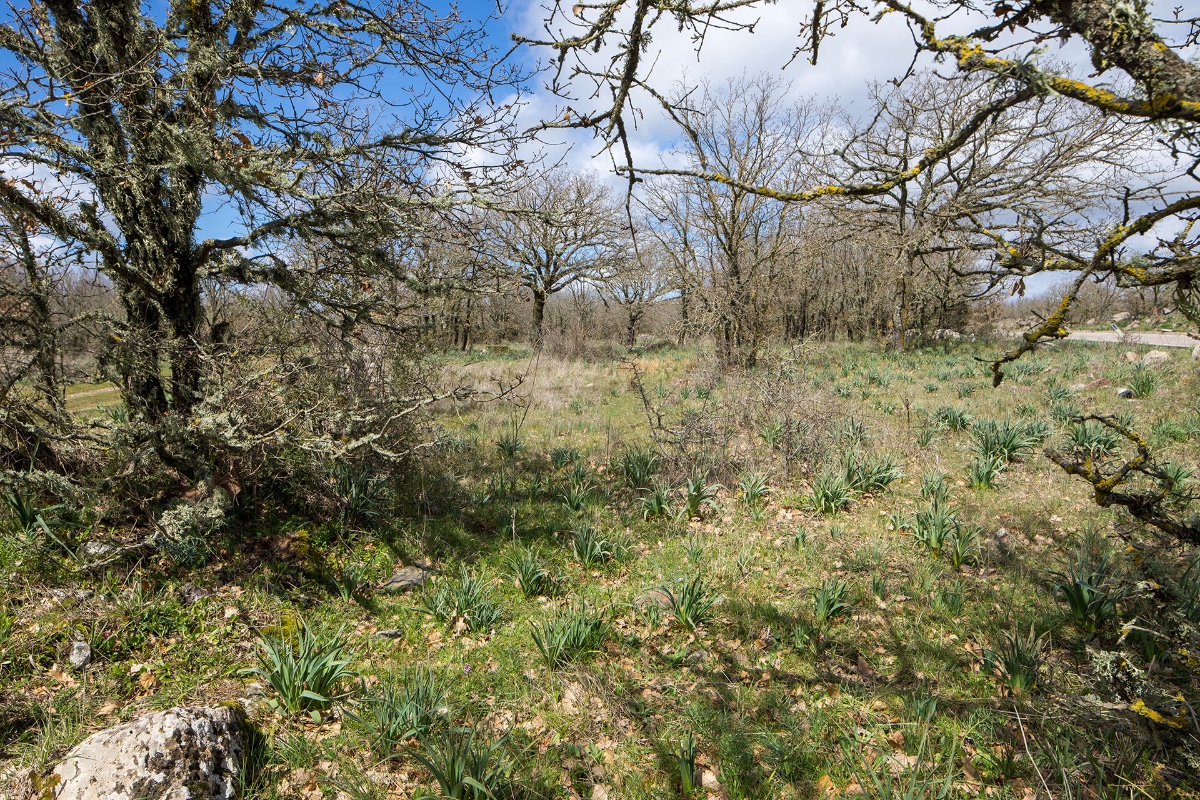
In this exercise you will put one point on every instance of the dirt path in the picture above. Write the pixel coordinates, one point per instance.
(1133, 337)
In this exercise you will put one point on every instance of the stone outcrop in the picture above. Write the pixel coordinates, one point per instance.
(180, 754)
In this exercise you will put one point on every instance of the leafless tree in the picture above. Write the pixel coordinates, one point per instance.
(738, 241)
(567, 227)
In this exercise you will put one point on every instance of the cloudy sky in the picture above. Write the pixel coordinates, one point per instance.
(861, 53)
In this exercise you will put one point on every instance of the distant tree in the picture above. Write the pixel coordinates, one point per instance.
(739, 240)
(636, 284)
(567, 227)
(1141, 73)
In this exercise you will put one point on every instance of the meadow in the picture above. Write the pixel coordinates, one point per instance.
(847, 572)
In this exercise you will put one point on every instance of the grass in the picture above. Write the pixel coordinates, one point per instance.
(536, 663)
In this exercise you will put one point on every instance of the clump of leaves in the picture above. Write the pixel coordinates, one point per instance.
(305, 669)
(984, 471)
(1142, 381)
(1007, 439)
(953, 418)
(829, 492)
(1093, 438)
(691, 602)
(464, 765)
(934, 487)
(530, 574)
(754, 490)
(684, 756)
(572, 634)
(1090, 590)
(698, 494)
(639, 467)
(464, 599)
(829, 601)
(869, 474)
(930, 777)
(1016, 660)
(963, 545)
(656, 502)
(511, 444)
(391, 714)
(562, 457)
(934, 526)
(593, 548)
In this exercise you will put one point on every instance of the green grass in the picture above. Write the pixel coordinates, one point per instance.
(537, 657)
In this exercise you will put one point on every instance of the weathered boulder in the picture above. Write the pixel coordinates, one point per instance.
(405, 579)
(1196, 352)
(1130, 356)
(1155, 357)
(180, 754)
(1121, 316)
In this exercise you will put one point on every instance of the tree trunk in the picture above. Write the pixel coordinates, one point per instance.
(539, 318)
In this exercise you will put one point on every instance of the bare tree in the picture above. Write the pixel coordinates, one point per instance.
(568, 228)
(738, 240)
(636, 285)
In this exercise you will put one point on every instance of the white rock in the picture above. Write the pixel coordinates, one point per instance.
(1196, 352)
(1155, 357)
(1121, 316)
(81, 655)
(1130, 356)
(180, 754)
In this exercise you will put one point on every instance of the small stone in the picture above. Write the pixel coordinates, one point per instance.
(654, 597)
(1155, 357)
(1196, 352)
(1130, 356)
(405, 579)
(1125, 393)
(96, 548)
(1099, 384)
(81, 655)
(192, 594)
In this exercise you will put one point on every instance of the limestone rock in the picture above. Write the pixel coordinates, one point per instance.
(81, 655)
(1121, 316)
(1196, 352)
(654, 597)
(180, 754)
(404, 579)
(1155, 357)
